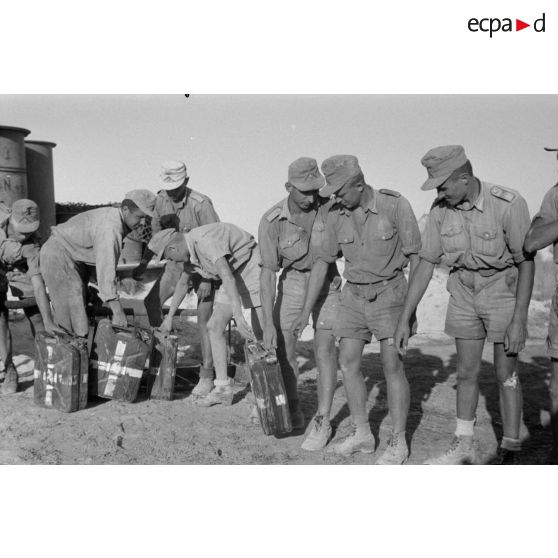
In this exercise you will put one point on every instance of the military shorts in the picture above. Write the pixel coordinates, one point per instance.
(291, 292)
(247, 280)
(481, 307)
(363, 314)
(552, 338)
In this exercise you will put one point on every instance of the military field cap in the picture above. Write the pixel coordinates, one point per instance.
(25, 216)
(173, 174)
(144, 199)
(440, 162)
(304, 175)
(160, 241)
(338, 170)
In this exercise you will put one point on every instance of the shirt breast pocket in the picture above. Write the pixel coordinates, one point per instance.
(383, 239)
(453, 238)
(485, 240)
(293, 246)
(346, 241)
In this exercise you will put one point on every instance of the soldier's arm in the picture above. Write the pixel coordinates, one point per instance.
(43, 302)
(544, 228)
(516, 225)
(419, 280)
(180, 292)
(267, 294)
(315, 283)
(540, 235)
(516, 333)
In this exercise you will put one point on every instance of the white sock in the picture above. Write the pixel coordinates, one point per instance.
(464, 427)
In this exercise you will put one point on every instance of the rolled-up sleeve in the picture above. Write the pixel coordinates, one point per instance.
(432, 250)
(516, 224)
(107, 244)
(407, 226)
(268, 244)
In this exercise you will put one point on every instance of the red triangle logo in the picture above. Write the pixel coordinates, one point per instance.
(519, 25)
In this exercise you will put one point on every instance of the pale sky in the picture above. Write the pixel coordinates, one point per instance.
(237, 148)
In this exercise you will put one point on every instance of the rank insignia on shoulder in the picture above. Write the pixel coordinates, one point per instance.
(273, 214)
(390, 192)
(502, 193)
(196, 196)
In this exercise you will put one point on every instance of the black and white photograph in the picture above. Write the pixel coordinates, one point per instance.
(279, 279)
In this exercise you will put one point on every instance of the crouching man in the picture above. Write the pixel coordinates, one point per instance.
(217, 251)
(19, 267)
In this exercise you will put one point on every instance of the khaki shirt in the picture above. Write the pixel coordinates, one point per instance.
(292, 241)
(208, 243)
(376, 240)
(549, 213)
(94, 237)
(194, 210)
(488, 236)
(19, 261)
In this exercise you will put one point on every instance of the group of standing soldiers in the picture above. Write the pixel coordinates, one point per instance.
(481, 231)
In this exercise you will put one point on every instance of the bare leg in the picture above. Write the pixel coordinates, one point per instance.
(511, 398)
(216, 326)
(398, 392)
(205, 309)
(326, 361)
(469, 357)
(350, 358)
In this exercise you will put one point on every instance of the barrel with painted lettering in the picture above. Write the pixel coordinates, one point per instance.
(61, 371)
(163, 366)
(119, 356)
(268, 389)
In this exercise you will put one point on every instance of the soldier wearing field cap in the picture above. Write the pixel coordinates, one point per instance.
(93, 237)
(377, 233)
(479, 230)
(543, 232)
(19, 269)
(289, 234)
(183, 209)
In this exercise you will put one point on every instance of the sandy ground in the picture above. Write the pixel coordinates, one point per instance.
(177, 432)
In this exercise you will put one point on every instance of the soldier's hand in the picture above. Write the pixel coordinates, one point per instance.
(401, 338)
(51, 328)
(514, 339)
(270, 337)
(166, 326)
(244, 329)
(299, 325)
(119, 319)
(204, 290)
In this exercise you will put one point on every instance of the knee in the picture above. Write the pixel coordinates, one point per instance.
(215, 326)
(468, 373)
(349, 366)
